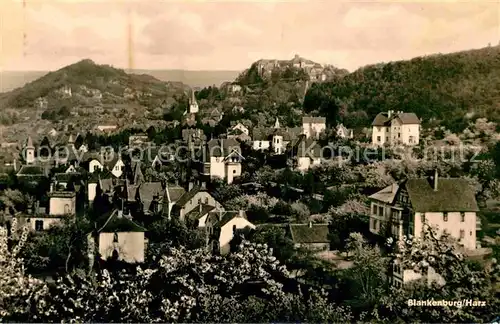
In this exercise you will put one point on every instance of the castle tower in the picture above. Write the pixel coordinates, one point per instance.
(29, 151)
(193, 105)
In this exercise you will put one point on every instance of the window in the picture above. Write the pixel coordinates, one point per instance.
(96, 167)
(422, 217)
(387, 138)
(462, 217)
(380, 211)
(470, 233)
(378, 129)
(66, 209)
(260, 144)
(445, 216)
(374, 209)
(462, 234)
(115, 238)
(206, 200)
(234, 229)
(39, 225)
(378, 138)
(199, 201)
(399, 135)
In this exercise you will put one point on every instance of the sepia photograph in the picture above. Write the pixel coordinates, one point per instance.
(249, 161)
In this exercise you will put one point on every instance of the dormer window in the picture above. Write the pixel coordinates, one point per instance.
(115, 238)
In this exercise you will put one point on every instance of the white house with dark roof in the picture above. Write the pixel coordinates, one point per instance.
(313, 126)
(192, 199)
(119, 238)
(405, 208)
(396, 128)
(223, 226)
(222, 159)
(344, 132)
(306, 153)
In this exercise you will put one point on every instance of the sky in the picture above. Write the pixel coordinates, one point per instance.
(42, 35)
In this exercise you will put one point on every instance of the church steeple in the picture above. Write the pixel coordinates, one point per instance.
(277, 123)
(193, 105)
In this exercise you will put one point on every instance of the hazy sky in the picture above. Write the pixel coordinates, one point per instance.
(229, 35)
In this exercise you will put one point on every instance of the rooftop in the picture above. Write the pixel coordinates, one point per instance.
(309, 233)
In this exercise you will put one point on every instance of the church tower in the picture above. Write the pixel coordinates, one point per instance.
(29, 151)
(193, 105)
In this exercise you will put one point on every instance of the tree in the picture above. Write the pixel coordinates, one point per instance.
(188, 286)
(18, 291)
(365, 282)
(462, 279)
(275, 238)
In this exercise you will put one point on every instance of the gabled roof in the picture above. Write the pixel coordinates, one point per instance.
(452, 195)
(114, 223)
(313, 120)
(98, 175)
(195, 214)
(31, 170)
(382, 119)
(309, 233)
(187, 196)
(225, 217)
(386, 195)
(222, 147)
(175, 192)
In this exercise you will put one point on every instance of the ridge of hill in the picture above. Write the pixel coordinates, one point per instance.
(87, 83)
(440, 87)
(10, 80)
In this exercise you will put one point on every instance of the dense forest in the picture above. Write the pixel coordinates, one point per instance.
(445, 87)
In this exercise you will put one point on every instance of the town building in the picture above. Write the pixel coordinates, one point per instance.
(196, 195)
(120, 238)
(406, 208)
(305, 153)
(222, 159)
(312, 127)
(343, 132)
(396, 128)
(310, 236)
(224, 226)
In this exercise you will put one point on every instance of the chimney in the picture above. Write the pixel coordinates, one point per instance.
(201, 208)
(119, 214)
(15, 165)
(51, 186)
(394, 188)
(389, 113)
(435, 182)
(310, 224)
(241, 213)
(191, 185)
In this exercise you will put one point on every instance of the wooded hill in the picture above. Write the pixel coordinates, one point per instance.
(443, 86)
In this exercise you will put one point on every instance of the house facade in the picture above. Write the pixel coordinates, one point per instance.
(223, 226)
(192, 199)
(62, 203)
(222, 159)
(313, 126)
(306, 153)
(393, 128)
(446, 204)
(122, 239)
